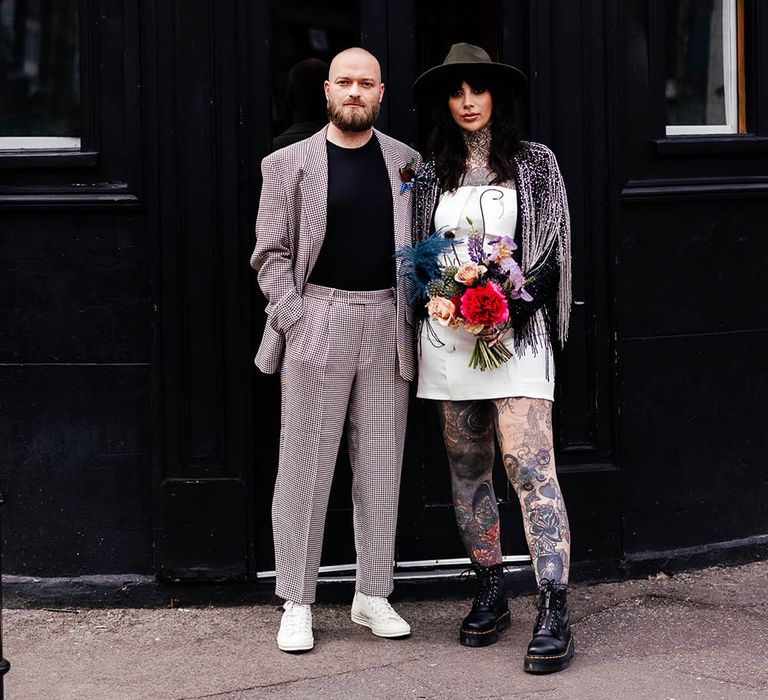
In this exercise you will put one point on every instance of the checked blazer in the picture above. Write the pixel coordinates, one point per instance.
(290, 228)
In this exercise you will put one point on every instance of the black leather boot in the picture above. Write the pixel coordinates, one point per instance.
(490, 613)
(551, 648)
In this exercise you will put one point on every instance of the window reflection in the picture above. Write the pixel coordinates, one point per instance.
(39, 68)
(305, 37)
(700, 62)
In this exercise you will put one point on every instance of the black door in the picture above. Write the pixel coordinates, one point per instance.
(200, 65)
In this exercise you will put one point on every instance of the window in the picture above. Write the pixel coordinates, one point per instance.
(704, 88)
(39, 74)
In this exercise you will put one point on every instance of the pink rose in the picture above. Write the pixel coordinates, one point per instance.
(469, 273)
(441, 309)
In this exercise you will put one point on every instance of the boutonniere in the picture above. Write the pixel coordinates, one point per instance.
(408, 175)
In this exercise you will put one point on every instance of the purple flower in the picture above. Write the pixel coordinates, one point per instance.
(513, 272)
(501, 247)
(515, 275)
(475, 248)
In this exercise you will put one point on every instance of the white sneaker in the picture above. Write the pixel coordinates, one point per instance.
(295, 628)
(377, 614)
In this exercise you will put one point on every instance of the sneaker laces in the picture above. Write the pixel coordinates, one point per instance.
(296, 619)
(381, 608)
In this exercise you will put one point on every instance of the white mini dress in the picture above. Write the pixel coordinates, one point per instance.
(444, 352)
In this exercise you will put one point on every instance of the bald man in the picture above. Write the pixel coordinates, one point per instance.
(332, 213)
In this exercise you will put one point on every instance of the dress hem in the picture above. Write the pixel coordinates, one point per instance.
(527, 394)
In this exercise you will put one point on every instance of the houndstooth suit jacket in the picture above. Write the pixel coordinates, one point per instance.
(290, 228)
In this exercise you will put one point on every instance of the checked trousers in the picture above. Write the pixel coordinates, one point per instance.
(340, 365)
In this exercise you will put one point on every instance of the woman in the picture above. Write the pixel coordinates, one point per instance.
(480, 175)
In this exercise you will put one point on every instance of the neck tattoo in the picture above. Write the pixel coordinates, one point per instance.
(478, 145)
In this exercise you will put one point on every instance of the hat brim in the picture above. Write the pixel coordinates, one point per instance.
(434, 82)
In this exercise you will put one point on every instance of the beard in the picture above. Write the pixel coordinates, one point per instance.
(352, 119)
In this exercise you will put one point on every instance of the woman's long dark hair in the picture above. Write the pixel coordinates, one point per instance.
(445, 144)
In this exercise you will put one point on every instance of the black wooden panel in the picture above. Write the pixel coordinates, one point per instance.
(689, 267)
(206, 531)
(694, 439)
(198, 235)
(75, 469)
(75, 288)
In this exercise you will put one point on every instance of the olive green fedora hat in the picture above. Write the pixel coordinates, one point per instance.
(463, 60)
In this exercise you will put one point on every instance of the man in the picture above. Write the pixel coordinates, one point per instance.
(330, 218)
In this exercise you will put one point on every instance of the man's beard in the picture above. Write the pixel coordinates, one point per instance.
(352, 119)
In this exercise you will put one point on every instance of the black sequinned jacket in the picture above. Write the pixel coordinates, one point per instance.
(544, 238)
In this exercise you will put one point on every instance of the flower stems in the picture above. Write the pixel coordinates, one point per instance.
(485, 357)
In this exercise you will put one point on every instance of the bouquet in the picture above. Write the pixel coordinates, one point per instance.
(473, 295)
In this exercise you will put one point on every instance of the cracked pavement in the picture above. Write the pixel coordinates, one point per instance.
(701, 634)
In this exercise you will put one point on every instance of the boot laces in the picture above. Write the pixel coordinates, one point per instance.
(489, 585)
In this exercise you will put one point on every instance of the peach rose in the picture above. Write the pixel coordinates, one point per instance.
(469, 273)
(441, 309)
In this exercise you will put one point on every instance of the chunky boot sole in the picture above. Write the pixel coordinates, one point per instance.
(471, 638)
(549, 664)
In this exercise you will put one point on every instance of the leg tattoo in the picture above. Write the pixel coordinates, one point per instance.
(468, 435)
(525, 431)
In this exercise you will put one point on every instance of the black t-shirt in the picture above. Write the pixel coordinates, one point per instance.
(359, 236)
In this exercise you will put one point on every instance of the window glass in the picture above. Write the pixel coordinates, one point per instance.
(305, 37)
(39, 72)
(701, 66)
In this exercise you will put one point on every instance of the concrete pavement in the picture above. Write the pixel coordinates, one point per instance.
(701, 634)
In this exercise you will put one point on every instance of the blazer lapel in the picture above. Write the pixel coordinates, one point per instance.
(403, 236)
(400, 209)
(314, 201)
